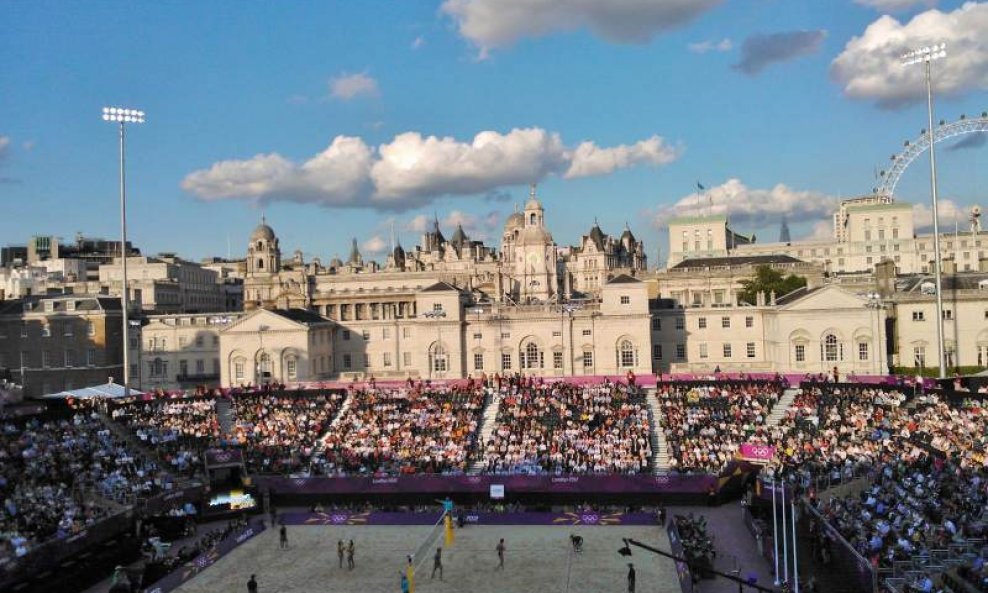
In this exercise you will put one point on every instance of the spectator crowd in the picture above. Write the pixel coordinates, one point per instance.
(413, 429)
(704, 425)
(565, 428)
(278, 432)
(50, 470)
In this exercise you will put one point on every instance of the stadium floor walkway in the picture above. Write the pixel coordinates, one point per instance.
(732, 540)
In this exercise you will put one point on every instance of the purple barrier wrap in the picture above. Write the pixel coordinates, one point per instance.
(470, 518)
(515, 484)
(220, 457)
(200, 563)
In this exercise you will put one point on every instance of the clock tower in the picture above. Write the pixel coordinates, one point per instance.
(534, 255)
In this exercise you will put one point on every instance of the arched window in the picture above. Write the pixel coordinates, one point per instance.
(439, 360)
(627, 352)
(531, 357)
(531, 219)
(831, 349)
(260, 264)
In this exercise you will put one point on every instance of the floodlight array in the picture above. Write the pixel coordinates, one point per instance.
(118, 114)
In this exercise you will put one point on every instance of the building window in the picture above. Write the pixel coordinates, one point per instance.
(69, 358)
(749, 321)
(800, 352)
(199, 341)
(627, 354)
(656, 323)
(751, 349)
(291, 368)
(406, 359)
(703, 350)
(505, 335)
(919, 356)
(830, 349)
(727, 350)
(365, 335)
(530, 357)
(200, 366)
(983, 356)
(24, 329)
(680, 351)
(406, 332)
(182, 341)
(557, 360)
(725, 322)
(46, 330)
(183, 368)
(238, 369)
(45, 359)
(386, 333)
(437, 307)
(701, 323)
(480, 336)
(680, 323)
(555, 334)
(948, 314)
(587, 359)
(347, 361)
(587, 332)
(657, 351)
(68, 329)
(346, 335)
(478, 361)
(918, 316)
(625, 300)
(505, 361)
(862, 350)
(90, 357)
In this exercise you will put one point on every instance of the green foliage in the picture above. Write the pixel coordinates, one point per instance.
(766, 280)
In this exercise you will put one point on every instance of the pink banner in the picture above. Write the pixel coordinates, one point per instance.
(757, 453)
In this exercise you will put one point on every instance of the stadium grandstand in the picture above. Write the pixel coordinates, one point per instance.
(886, 480)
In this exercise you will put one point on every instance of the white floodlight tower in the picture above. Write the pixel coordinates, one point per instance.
(121, 117)
(926, 56)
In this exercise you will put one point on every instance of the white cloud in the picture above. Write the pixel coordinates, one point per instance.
(417, 224)
(754, 207)
(950, 211)
(490, 24)
(350, 86)
(590, 159)
(895, 5)
(870, 66)
(338, 176)
(413, 169)
(376, 245)
(821, 230)
(703, 47)
(414, 166)
(418, 42)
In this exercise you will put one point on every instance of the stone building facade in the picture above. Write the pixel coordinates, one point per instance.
(51, 344)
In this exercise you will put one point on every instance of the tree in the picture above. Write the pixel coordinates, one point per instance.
(768, 279)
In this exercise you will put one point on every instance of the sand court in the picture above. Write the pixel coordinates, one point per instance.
(538, 559)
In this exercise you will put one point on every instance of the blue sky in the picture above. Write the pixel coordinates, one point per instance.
(653, 87)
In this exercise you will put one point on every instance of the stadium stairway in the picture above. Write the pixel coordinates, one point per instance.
(487, 424)
(782, 406)
(657, 437)
(224, 414)
(321, 441)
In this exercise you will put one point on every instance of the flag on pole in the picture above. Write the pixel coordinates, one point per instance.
(699, 186)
